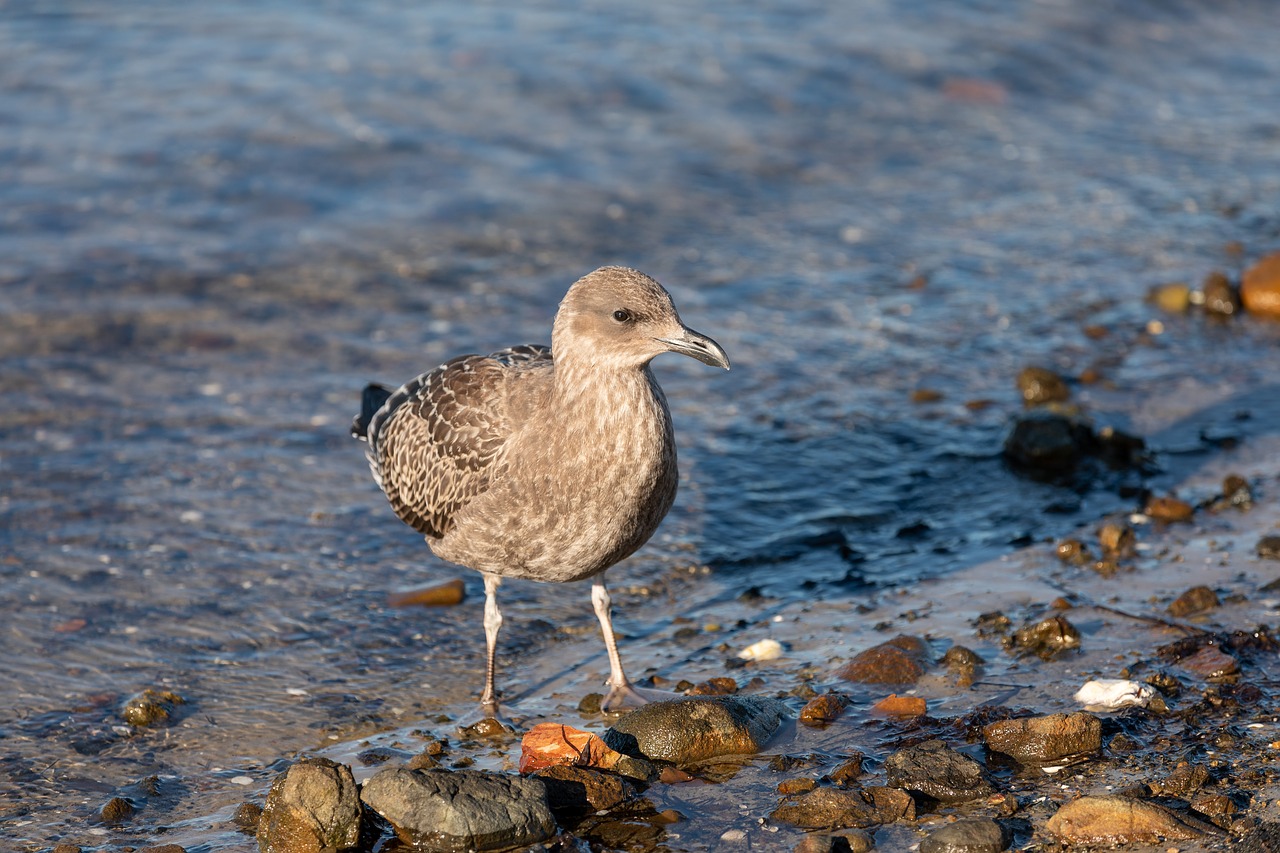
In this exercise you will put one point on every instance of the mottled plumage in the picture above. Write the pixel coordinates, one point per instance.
(550, 464)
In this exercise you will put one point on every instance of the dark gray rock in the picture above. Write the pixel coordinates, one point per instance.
(936, 770)
(1044, 442)
(971, 835)
(461, 810)
(689, 730)
(313, 807)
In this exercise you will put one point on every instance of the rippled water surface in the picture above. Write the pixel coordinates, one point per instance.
(217, 222)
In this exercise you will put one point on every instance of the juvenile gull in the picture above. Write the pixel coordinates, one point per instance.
(544, 463)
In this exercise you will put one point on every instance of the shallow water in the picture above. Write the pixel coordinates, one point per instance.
(219, 223)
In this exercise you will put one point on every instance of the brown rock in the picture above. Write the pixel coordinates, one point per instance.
(1221, 298)
(1186, 779)
(116, 810)
(1051, 739)
(1114, 821)
(1073, 552)
(791, 787)
(1169, 509)
(313, 807)
(963, 663)
(1268, 548)
(846, 773)
(1117, 540)
(826, 808)
(824, 709)
(579, 790)
(1039, 385)
(936, 770)
(163, 848)
(898, 661)
(246, 816)
(150, 707)
(718, 686)
(891, 804)
(1236, 492)
(1211, 663)
(1260, 287)
(1046, 639)
(1198, 599)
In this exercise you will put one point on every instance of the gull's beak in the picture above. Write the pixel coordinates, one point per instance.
(697, 346)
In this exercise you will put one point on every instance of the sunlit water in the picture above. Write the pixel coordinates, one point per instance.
(218, 222)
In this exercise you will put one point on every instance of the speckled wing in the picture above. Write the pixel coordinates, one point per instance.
(436, 443)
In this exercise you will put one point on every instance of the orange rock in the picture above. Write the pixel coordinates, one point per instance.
(823, 709)
(1260, 287)
(1169, 509)
(894, 705)
(549, 744)
(440, 595)
(898, 661)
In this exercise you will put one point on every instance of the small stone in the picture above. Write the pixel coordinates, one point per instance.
(936, 770)
(1113, 821)
(150, 707)
(1260, 287)
(1169, 509)
(66, 848)
(1198, 599)
(1049, 739)
(1112, 694)
(887, 663)
(1268, 548)
(718, 686)
(1210, 664)
(846, 773)
(246, 816)
(580, 790)
(312, 806)
(926, 395)
(762, 650)
(1073, 552)
(1044, 443)
(116, 810)
(1174, 298)
(458, 810)
(891, 804)
(826, 808)
(163, 848)
(963, 663)
(591, 703)
(689, 730)
(1186, 779)
(1039, 385)
(1221, 297)
(791, 787)
(1117, 540)
(968, 835)
(486, 728)
(992, 624)
(823, 710)
(445, 594)
(1236, 492)
(1046, 639)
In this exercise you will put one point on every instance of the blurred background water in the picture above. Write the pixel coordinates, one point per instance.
(217, 222)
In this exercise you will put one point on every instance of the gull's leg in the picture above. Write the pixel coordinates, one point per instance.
(492, 623)
(622, 693)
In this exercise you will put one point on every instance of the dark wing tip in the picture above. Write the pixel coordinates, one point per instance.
(373, 398)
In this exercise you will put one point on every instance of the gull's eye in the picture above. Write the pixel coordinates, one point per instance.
(622, 315)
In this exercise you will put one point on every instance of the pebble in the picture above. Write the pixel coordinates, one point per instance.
(1045, 443)
(552, 744)
(846, 773)
(461, 809)
(150, 707)
(1113, 821)
(313, 805)
(116, 810)
(1073, 552)
(823, 710)
(826, 808)
(1046, 639)
(581, 790)
(894, 705)
(963, 663)
(1210, 663)
(246, 816)
(683, 731)
(1198, 599)
(1221, 297)
(1169, 509)
(1268, 548)
(936, 770)
(1117, 540)
(1049, 739)
(1236, 492)
(1174, 297)
(445, 594)
(969, 835)
(1040, 385)
(1260, 287)
(897, 661)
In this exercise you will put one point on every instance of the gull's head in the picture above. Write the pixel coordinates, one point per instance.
(621, 318)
